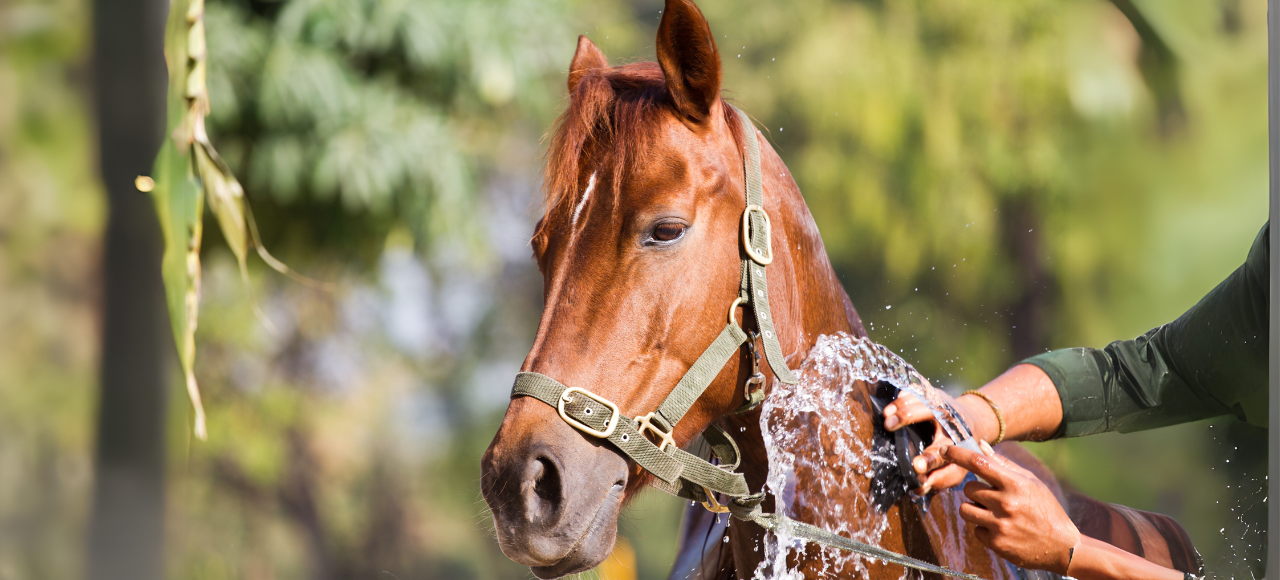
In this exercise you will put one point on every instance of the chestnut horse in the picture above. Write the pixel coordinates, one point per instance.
(639, 252)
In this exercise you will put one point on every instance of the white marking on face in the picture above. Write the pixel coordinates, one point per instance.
(591, 184)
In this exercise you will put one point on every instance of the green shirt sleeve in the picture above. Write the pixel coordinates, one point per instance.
(1211, 361)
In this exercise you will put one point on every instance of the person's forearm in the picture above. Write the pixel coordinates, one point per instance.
(1027, 399)
(1097, 560)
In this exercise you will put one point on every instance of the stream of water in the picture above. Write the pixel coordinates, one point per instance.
(819, 431)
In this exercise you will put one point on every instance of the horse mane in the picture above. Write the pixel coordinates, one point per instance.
(612, 113)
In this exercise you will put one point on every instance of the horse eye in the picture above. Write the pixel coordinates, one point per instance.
(668, 232)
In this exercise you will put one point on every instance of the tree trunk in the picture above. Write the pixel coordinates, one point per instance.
(127, 526)
(1030, 313)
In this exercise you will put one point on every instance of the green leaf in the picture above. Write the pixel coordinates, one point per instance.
(187, 168)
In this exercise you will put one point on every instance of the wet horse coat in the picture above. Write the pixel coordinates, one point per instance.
(639, 252)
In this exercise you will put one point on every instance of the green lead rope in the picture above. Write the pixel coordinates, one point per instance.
(808, 533)
(677, 471)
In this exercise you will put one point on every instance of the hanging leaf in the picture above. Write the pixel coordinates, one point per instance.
(187, 172)
(178, 198)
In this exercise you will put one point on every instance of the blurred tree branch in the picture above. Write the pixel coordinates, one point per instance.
(1159, 66)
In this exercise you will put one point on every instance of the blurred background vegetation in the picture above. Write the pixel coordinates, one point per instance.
(992, 179)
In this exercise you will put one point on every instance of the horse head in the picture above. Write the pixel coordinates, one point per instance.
(639, 250)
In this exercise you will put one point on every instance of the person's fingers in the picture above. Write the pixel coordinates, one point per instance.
(944, 478)
(983, 535)
(1007, 463)
(977, 516)
(984, 495)
(906, 410)
(983, 466)
(928, 460)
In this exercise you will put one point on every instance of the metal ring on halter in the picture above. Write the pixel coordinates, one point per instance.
(767, 257)
(733, 308)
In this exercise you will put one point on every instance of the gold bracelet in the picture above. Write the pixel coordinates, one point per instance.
(994, 408)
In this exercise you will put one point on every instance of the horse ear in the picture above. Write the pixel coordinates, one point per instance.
(689, 59)
(586, 58)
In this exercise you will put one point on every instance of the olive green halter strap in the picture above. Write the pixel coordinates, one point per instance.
(679, 472)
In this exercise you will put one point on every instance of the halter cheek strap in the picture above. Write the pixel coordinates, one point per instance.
(679, 472)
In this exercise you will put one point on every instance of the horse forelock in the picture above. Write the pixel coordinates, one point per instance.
(612, 114)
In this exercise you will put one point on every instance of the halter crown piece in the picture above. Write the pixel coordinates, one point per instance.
(679, 472)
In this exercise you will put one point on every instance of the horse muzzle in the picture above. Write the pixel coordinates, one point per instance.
(554, 494)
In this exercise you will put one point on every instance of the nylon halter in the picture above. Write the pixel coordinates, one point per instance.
(679, 472)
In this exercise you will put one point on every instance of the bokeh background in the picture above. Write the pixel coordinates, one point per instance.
(992, 179)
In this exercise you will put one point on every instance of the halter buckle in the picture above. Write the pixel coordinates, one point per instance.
(609, 424)
(646, 423)
(767, 257)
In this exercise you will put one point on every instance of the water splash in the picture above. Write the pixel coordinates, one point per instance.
(819, 432)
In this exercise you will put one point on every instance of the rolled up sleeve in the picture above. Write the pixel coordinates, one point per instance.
(1211, 361)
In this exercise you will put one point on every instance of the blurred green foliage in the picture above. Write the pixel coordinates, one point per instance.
(385, 108)
(973, 165)
(51, 211)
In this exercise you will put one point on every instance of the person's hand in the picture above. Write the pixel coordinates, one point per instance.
(909, 409)
(1015, 514)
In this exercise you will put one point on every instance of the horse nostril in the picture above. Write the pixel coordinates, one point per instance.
(546, 486)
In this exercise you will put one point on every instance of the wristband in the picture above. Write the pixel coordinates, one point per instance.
(995, 409)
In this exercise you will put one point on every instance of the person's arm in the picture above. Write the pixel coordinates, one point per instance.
(1211, 361)
(1018, 517)
(1098, 560)
(1028, 401)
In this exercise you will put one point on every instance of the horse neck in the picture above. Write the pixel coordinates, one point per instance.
(813, 301)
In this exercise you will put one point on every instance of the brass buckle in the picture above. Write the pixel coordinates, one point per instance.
(711, 504)
(609, 424)
(762, 259)
(645, 423)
